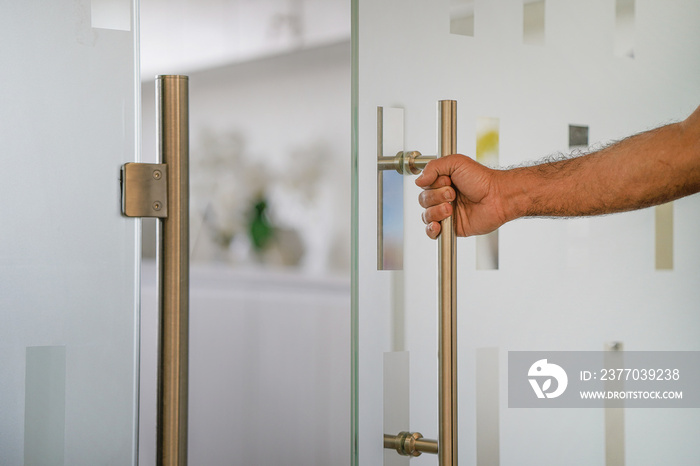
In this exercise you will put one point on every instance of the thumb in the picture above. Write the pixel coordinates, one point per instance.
(440, 166)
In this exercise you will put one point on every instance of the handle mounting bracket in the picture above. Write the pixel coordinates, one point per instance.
(145, 190)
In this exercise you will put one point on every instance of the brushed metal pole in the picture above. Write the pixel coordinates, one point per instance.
(380, 190)
(447, 322)
(173, 266)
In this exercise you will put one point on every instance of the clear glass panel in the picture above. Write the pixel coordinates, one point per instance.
(560, 285)
(269, 314)
(68, 259)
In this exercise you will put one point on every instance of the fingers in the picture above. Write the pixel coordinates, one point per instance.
(436, 213)
(440, 182)
(438, 168)
(436, 196)
(438, 192)
(433, 230)
(437, 208)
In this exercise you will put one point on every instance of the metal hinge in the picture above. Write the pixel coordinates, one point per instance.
(145, 190)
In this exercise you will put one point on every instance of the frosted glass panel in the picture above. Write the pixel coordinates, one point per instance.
(533, 22)
(462, 17)
(560, 285)
(624, 28)
(68, 259)
(487, 136)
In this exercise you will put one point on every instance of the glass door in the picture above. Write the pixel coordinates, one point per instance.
(531, 79)
(69, 260)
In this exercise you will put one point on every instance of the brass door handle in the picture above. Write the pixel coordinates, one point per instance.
(162, 190)
(173, 149)
(447, 305)
(405, 162)
(413, 444)
(410, 444)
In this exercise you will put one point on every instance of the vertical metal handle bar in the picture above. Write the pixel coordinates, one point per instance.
(380, 190)
(447, 281)
(173, 258)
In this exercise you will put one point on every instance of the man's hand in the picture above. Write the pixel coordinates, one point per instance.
(457, 184)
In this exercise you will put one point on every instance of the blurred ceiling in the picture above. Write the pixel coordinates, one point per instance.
(182, 36)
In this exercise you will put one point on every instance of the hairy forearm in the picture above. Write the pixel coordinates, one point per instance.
(643, 170)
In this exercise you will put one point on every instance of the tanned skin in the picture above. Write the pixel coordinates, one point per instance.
(643, 170)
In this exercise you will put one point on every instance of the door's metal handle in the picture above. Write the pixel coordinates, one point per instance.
(447, 304)
(162, 190)
(405, 162)
(412, 444)
(173, 257)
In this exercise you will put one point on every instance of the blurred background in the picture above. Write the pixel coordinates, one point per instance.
(270, 226)
(269, 126)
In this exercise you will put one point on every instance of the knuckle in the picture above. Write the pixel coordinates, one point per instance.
(422, 199)
(427, 199)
